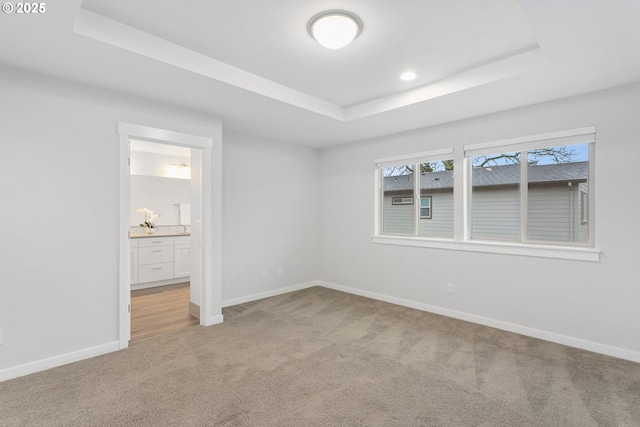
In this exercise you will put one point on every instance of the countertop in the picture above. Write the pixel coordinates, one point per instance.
(160, 234)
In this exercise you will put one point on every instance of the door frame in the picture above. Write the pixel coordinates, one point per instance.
(211, 226)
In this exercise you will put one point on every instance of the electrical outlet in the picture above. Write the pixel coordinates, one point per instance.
(280, 272)
(264, 274)
(450, 288)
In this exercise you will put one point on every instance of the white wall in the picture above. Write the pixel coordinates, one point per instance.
(154, 164)
(270, 212)
(562, 300)
(59, 215)
(59, 186)
(161, 196)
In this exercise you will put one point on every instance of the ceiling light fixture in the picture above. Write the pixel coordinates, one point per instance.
(407, 76)
(334, 29)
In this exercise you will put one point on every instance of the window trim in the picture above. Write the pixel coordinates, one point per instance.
(461, 240)
(542, 251)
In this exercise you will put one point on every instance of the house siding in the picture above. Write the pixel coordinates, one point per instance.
(554, 213)
(495, 213)
(397, 219)
(551, 210)
(441, 222)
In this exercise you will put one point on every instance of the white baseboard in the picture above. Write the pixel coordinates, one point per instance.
(158, 283)
(595, 347)
(267, 294)
(41, 365)
(214, 320)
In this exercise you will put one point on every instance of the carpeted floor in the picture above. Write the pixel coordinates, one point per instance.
(319, 357)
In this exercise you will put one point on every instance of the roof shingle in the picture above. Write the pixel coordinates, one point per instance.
(494, 175)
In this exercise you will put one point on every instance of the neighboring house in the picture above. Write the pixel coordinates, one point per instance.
(557, 205)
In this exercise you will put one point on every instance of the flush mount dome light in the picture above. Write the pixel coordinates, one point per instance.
(334, 29)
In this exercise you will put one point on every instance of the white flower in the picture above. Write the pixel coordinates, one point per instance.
(149, 217)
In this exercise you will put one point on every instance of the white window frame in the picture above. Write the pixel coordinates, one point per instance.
(400, 161)
(462, 188)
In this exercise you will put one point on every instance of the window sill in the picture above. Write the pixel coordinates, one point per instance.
(558, 252)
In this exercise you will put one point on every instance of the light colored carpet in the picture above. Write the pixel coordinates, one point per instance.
(319, 357)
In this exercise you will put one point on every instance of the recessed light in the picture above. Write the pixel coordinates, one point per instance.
(334, 29)
(407, 76)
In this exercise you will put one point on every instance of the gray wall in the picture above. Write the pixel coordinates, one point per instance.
(270, 214)
(59, 287)
(595, 302)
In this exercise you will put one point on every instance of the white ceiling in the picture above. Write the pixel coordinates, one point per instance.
(253, 63)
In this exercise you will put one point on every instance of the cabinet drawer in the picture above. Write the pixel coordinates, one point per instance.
(155, 255)
(146, 242)
(153, 272)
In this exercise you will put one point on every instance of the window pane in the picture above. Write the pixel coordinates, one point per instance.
(557, 193)
(495, 197)
(425, 207)
(436, 199)
(398, 209)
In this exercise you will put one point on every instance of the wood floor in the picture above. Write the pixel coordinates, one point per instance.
(159, 311)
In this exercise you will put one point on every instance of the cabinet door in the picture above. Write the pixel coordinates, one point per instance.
(133, 263)
(181, 260)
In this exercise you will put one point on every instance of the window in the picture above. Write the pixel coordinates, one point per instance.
(526, 196)
(399, 216)
(495, 197)
(426, 178)
(425, 207)
(436, 188)
(531, 192)
(402, 201)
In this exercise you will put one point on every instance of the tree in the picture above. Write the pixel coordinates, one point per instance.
(561, 154)
(439, 166)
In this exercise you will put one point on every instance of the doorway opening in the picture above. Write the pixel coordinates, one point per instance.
(196, 245)
(160, 310)
(163, 297)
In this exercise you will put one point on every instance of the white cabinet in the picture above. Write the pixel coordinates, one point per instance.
(159, 259)
(181, 256)
(155, 259)
(133, 260)
(155, 272)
